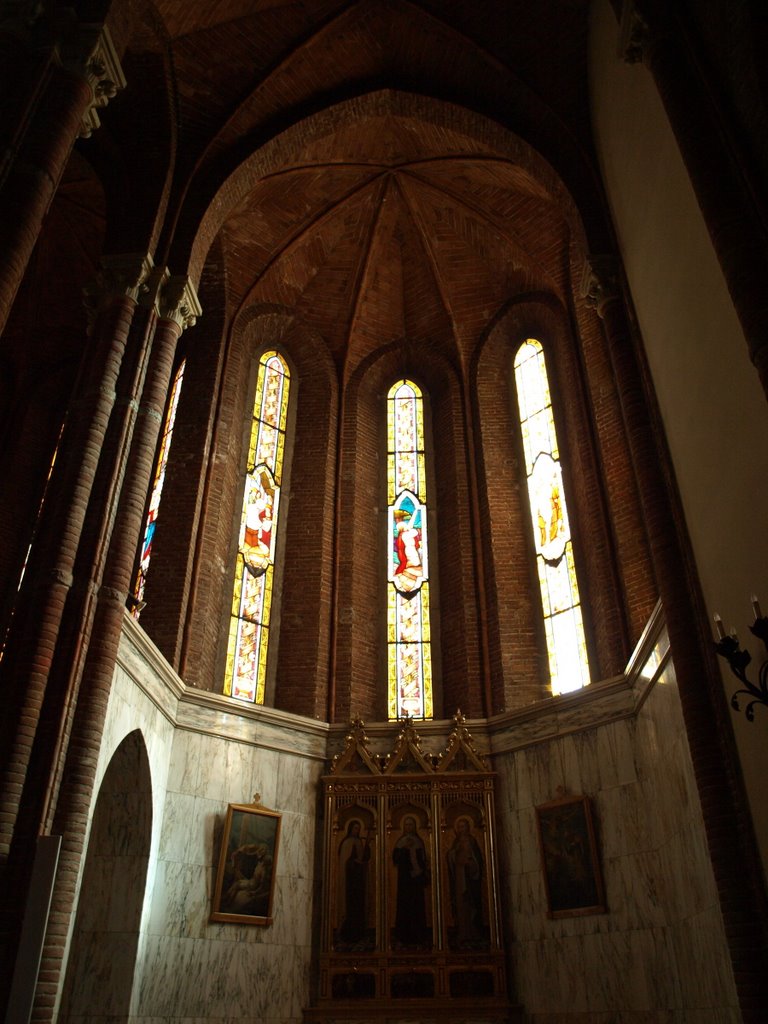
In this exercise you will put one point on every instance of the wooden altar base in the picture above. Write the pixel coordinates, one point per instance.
(415, 1011)
(409, 987)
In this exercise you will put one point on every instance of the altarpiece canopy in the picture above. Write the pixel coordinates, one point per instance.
(410, 914)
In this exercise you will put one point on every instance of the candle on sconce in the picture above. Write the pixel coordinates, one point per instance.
(733, 634)
(756, 607)
(719, 627)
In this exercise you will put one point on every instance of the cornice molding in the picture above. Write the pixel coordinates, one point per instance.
(211, 713)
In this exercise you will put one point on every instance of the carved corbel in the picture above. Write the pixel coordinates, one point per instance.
(600, 282)
(177, 300)
(634, 35)
(90, 53)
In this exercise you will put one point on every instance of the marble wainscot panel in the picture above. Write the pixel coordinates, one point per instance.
(658, 955)
(194, 969)
(201, 752)
(172, 758)
(224, 752)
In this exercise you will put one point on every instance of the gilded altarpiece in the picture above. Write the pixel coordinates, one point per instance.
(410, 918)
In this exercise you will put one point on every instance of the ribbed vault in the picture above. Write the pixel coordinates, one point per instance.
(391, 228)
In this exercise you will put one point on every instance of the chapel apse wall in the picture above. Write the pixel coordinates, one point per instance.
(457, 187)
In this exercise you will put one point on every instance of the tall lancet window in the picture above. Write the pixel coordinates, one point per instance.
(157, 490)
(246, 669)
(409, 652)
(566, 644)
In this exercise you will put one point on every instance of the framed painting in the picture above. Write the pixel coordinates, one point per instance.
(245, 880)
(569, 858)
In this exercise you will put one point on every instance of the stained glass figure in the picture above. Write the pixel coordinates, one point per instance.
(566, 643)
(157, 491)
(246, 669)
(408, 634)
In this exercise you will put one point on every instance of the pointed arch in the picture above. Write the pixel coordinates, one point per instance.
(99, 981)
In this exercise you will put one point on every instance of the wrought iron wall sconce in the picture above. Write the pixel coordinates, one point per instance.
(727, 646)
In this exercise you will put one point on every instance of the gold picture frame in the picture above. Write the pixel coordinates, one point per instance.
(569, 858)
(245, 880)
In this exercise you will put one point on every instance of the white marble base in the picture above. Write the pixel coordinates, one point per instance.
(658, 956)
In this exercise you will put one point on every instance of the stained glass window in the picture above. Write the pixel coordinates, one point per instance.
(566, 644)
(157, 491)
(35, 528)
(408, 636)
(246, 670)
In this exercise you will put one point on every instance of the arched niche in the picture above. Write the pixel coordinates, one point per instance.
(102, 957)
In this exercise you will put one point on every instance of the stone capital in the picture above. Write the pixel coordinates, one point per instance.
(175, 299)
(634, 35)
(600, 282)
(110, 595)
(20, 15)
(89, 52)
(124, 275)
(62, 577)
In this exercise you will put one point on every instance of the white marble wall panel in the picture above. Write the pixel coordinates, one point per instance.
(659, 954)
(204, 752)
(198, 970)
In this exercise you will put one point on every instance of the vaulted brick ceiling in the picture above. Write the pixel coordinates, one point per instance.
(385, 226)
(380, 235)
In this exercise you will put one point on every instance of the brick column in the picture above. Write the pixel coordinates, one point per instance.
(76, 71)
(35, 631)
(726, 819)
(176, 308)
